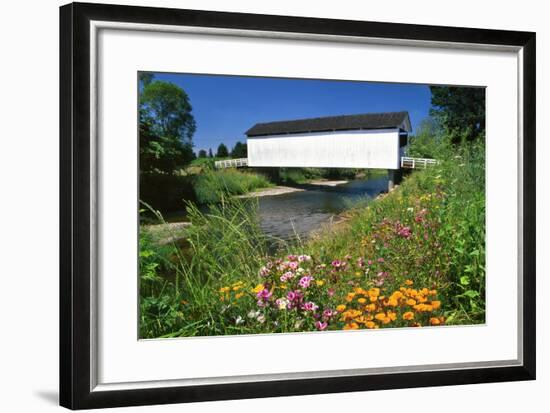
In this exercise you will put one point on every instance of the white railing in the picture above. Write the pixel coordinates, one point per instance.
(414, 163)
(231, 163)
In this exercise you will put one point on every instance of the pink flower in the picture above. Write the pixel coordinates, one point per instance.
(292, 257)
(286, 276)
(264, 272)
(328, 313)
(294, 298)
(264, 294)
(360, 262)
(404, 232)
(305, 281)
(293, 265)
(310, 306)
(381, 260)
(303, 258)
(321, 325)
(370, 262)
(331, 292)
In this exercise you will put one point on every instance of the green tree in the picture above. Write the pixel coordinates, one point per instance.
(145, 78)
(160, 154)
(239, 150)
(222, 151)
(202, 153)
(460, 111)
(426, 142)
(168, 109)
(210, 154)
(166, 126)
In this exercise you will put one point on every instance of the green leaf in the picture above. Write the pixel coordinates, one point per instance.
(465, 280)
(471, 294)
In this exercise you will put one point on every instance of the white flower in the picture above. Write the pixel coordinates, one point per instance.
(282, 303)
(253, 314)
(239, 320)
(261, 318)
(410, 209)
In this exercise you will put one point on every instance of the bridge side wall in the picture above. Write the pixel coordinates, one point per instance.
(377, 149)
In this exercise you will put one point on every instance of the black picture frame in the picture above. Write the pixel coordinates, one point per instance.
(75, 219)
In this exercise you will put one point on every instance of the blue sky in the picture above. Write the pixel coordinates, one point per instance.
(224, 107)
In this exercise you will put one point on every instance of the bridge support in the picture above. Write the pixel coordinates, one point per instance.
(391, 179)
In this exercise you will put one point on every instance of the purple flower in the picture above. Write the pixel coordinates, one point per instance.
(292, 265)
(337, 263)
(305, 281)
(321, 325)
(303, 258)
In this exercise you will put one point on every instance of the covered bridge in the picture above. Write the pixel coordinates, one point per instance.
(368, 140)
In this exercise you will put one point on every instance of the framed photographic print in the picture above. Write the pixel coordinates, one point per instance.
(256, 206)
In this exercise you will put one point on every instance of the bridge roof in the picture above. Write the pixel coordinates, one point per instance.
(386, 120)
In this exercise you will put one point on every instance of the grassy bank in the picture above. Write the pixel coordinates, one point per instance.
(414, 258)
(211, 185)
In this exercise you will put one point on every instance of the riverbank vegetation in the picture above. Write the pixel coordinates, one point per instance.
(413, 258)
(211, 186)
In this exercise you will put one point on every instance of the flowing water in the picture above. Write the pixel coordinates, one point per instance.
(300, 213)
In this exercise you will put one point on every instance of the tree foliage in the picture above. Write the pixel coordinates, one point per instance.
(427, 141)
(222, 151)
(166, 126)
(202, 153)
(239, 150)
(168, 109)
(460, 111)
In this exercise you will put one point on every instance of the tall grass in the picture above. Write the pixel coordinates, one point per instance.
(222, 246)
(212, 185)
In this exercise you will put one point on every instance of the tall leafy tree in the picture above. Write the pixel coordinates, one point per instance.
(202, 153)
(460, 111)
(210, 154)
(168, 108)
(222, 151)
(167, 126)
(239, 150)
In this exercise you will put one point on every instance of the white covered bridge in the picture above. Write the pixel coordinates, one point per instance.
(366, 141)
